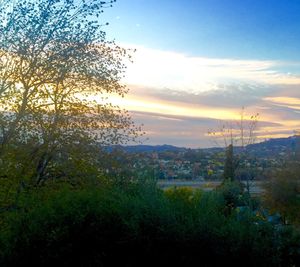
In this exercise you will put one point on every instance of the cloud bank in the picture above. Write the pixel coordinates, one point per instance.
(178, 97)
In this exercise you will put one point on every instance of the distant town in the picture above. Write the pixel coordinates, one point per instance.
(255, 162)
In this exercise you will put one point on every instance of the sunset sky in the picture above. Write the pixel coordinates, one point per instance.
(199, 62)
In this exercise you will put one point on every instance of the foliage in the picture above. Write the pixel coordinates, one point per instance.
(139, 226)
(233, 193)
(123, 169)
(282, 194)
(57, 71)
(288, 242)
(182, 195)
(229, 167)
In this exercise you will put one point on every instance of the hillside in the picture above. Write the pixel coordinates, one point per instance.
(270, 148)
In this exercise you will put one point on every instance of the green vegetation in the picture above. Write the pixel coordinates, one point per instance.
(54, 63)
(229, 168)
(139, 226)
(283, 193)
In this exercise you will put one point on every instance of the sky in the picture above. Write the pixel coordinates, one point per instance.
(198, 63)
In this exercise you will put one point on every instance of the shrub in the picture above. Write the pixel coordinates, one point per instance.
(232, 191)
(139, 226)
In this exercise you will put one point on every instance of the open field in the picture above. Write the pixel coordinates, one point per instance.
(256, 187)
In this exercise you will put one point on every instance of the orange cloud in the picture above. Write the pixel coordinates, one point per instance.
(152, 105)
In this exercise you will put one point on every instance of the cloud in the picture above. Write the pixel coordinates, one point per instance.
(174, 130)
(232, 96)
(179, 97)
(193, 132)
(291, 102)
(184, 118)
(165, 69)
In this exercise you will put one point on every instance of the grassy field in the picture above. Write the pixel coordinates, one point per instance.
(255, 187)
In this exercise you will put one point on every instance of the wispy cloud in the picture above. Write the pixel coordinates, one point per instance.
(165, 69)
(178, 97)
(291, 102)
(183, 118)
(193, 132)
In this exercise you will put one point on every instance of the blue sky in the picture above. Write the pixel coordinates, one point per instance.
(259, 29)
(199, 62)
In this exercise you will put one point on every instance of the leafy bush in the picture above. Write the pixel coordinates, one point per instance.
(282, 194)
(139, 226)
(232, 192)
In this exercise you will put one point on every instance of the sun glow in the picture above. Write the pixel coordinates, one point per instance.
(158, 106)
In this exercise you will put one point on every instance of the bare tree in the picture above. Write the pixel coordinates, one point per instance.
(239, 134)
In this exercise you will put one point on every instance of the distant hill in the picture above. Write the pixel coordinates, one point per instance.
(148, 148)
(271, 147)
(275, 142)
